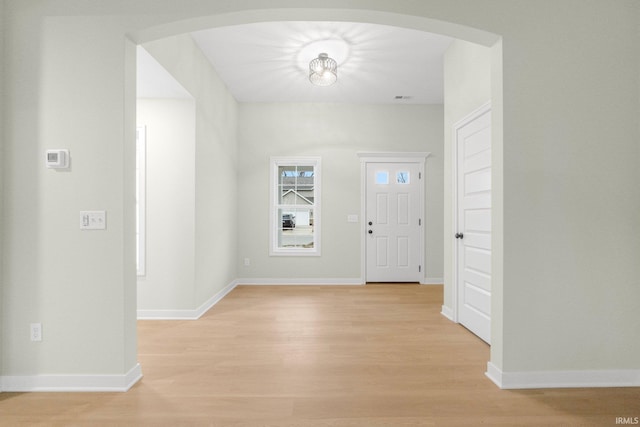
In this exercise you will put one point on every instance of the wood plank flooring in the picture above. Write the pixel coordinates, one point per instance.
(375, 355)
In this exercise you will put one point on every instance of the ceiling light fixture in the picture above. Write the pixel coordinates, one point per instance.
(323, 71)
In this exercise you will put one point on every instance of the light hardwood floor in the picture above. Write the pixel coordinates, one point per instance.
(375, 355)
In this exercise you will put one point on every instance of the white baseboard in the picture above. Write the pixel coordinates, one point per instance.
(322, 281)
(263, 281)
(187, 314)
(447, 312)
(72, 383)
(563, 379)
(494, 374)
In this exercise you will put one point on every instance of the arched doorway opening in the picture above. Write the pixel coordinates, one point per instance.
(479, 37)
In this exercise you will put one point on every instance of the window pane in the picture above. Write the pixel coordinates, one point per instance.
(296, 228)
(287, 171)
(296, 185)
(286, 182)
(402, 177)
(305, 183)
(287, 196)
(382, 178)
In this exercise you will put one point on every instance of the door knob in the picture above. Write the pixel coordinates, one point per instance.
(370, 223)
(370, 231)
(459, 236)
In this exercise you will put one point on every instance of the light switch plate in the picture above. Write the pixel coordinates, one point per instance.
(93, 220)
(352, 218)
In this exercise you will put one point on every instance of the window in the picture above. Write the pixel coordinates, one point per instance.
(402, 178)
(141, 198)
(295, 206)
(382, 178)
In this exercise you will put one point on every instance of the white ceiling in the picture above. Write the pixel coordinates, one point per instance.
(268, 62)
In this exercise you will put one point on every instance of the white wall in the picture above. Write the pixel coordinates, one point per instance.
(214, 165)
(336, 132)
(568, 118)
(571, 235)
(169, 282)
(79, 284)
(2, 126)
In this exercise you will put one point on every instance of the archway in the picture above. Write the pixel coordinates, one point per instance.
(407, 21)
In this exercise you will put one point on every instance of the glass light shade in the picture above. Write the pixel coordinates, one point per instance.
(323, 71)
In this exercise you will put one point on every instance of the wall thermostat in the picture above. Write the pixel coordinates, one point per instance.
(58, 159)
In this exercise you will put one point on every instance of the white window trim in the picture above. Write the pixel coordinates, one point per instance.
(274, 218)
(141, 178)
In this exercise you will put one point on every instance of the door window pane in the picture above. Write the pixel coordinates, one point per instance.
(402, 177)
(382, 178)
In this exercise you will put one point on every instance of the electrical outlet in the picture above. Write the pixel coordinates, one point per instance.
(247, 262)
(36, 332)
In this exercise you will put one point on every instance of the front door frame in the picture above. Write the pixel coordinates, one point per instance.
(419, 158)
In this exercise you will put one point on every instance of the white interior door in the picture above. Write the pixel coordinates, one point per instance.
(473, 139)
(393, 222)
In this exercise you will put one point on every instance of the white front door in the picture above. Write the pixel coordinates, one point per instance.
(393, 222)
(473, 140)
